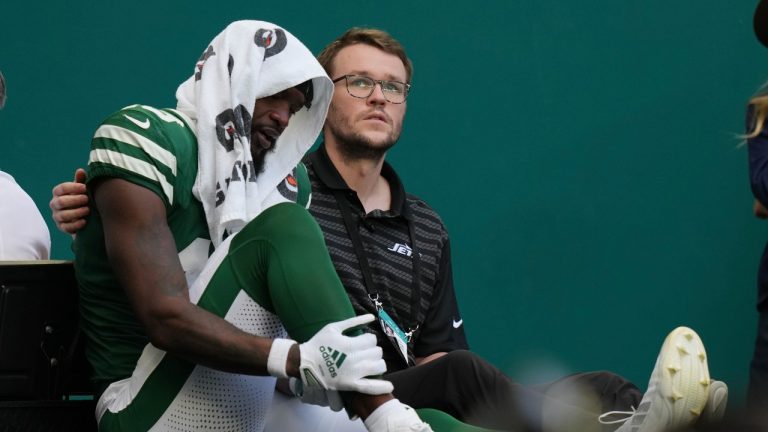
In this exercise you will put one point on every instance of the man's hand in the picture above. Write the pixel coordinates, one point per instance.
(759, 210)
(69, 205)
(333, 361)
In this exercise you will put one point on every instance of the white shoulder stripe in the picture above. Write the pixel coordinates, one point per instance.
(134, 165)
(129, 137)
(191, 123)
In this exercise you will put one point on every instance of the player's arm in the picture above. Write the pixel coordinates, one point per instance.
(142, 251)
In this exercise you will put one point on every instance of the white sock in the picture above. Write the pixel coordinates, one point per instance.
(377, 421)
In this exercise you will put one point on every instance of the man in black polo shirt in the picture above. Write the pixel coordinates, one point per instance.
(380, 238)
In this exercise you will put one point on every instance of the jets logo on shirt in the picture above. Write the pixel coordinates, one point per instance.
(402, 249)
(289, 187)
(273, 41)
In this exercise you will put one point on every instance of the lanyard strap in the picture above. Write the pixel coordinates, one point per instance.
(362, 257)
(415, 278)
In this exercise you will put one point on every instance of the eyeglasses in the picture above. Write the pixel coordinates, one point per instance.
(360, 86)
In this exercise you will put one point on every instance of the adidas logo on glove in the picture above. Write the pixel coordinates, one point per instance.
(333, 359)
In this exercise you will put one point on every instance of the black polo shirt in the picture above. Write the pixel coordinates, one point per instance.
(389, 251)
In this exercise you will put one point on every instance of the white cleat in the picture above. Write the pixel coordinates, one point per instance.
(394, 416)
(679, 386)
(407, 421)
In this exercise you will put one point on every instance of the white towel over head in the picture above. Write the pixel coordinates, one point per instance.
(249, 60)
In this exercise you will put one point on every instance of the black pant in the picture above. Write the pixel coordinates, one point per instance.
(469, 388)
(757, 394)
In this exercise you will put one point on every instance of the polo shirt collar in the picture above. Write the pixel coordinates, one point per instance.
(330, 177)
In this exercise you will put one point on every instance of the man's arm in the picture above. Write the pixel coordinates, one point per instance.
(443, 328)
(143, 253)
(69, 204)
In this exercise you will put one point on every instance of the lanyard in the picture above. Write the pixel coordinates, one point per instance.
(362, 257)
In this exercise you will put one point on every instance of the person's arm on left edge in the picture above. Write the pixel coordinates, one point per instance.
(69, 204)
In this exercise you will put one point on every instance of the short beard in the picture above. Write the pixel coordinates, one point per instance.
(259, 156)
(354, 146)
(358, 147)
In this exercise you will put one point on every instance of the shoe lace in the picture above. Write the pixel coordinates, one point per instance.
(627, 415)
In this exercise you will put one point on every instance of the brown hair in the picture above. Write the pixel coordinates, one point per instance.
(368, 36)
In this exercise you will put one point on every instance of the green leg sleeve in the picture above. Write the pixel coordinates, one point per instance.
(280, 259)
(443, 422)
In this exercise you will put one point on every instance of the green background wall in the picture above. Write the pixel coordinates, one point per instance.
(582, 154)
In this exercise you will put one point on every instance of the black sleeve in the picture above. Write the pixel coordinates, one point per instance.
(443, 328)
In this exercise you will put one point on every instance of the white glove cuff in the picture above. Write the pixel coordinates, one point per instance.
(278, 357)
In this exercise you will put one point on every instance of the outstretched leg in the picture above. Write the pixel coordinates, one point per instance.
(678, 388)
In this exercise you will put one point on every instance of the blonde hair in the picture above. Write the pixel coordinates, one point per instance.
(759, 106)
(368, 36)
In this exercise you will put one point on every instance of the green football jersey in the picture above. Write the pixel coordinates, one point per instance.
(155, 149)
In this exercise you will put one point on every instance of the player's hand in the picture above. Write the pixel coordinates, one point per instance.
(333, 361)
(69, 205)
(759, 210)
(316, 395)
